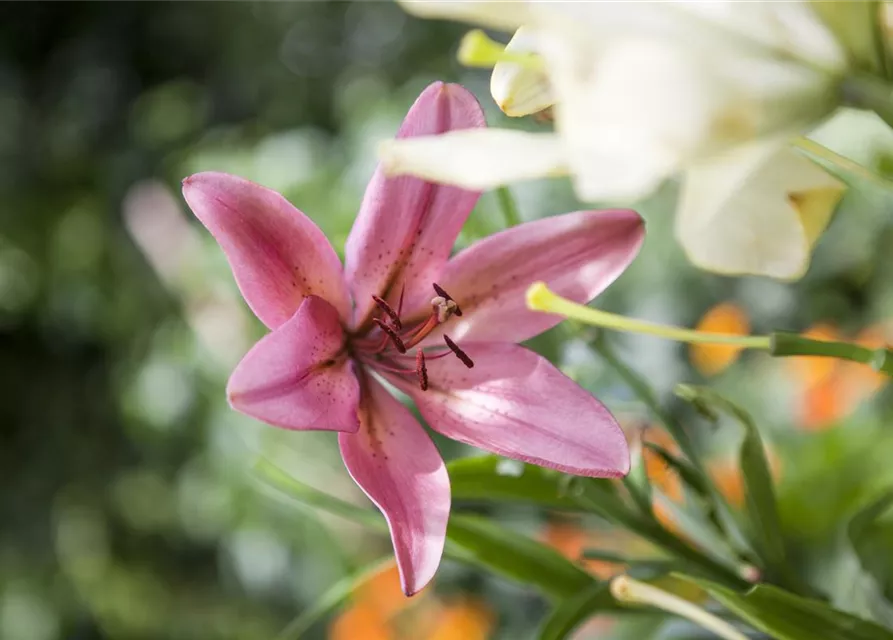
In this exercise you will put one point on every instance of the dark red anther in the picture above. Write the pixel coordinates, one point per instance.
(468, 362)
(443, 294)
(421, 370)
(384, 306)
(398, 343)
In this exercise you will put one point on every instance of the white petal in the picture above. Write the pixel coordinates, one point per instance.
(475, 159)
(755, 210)
(521, 90)
(630, 114)
(507, 15)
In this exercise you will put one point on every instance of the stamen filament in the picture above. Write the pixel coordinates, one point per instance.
(398, 343)
(420, 332)
(540, 298)
(386, 308)
(630, 591)
(381, 366)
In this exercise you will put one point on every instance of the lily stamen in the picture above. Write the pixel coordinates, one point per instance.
(395, 339)
(443, 294)
(386, 308)
(421, 370)
(468, 362)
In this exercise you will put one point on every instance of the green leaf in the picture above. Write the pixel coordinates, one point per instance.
(872, 188)
(330, 600)
(717, 506)
(488, 478)
(861, 531)
(761, 506)
(480, 542)
(471, 540)
(307, 496)
(860, 522)
(597, 500)
(688, 473)
(570, 613)
(638, 484)
(786, 616)
(642, 568)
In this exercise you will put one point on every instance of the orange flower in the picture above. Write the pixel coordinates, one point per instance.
(379, 611)
(711, 359)
(462, 620)
(361, 621)
(375, 602)
(382, 591)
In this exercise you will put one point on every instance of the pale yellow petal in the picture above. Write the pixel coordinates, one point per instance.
(757, 210)
(475, 158)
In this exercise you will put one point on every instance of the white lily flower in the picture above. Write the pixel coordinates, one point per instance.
(758, 208)
(645, 91)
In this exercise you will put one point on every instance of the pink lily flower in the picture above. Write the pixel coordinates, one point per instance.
(443, 330)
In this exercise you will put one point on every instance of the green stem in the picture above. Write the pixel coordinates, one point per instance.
(792, 344)
(508, 207)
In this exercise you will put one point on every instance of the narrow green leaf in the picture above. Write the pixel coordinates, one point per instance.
(638, 483)
(688, 473)
(481, 542)
(636, 567)
(570, 613)
(868, 514)
(786, 616)
(761, 506)
(597, 500)
(306, 495)
(876, 188)
(330, 600)
(859, 530)
(717, 506)
(489, 478)
(508, 207)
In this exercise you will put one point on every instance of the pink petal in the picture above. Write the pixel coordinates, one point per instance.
(406, 227)
(516, 404)
(395, 463)
(299, 376)
(577, 255)
(278, 256)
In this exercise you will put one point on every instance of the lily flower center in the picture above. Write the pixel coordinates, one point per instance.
(386, 345)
